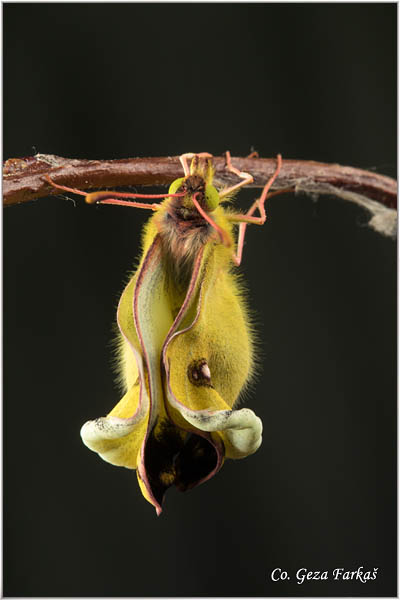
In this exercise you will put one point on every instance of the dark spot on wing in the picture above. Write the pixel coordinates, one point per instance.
(198, 373)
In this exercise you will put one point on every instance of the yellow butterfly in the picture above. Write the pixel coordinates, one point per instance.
(186, 348)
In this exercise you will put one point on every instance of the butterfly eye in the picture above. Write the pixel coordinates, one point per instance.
(211, 197)
(175, 185)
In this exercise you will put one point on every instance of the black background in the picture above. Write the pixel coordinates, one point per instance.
(119, 80)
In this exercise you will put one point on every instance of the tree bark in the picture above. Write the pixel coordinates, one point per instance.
(23, 179)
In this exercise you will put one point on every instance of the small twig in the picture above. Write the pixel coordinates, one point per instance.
(23, 179)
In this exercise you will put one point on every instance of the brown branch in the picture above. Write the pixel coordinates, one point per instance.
(24, 177)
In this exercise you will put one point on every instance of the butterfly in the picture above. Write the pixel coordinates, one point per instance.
(186, 342)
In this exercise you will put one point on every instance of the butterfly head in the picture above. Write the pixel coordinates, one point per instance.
(198, 183)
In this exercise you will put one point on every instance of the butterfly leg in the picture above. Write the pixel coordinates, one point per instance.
(247, 218)
(246, 177)
(224, 238)
(184, 157)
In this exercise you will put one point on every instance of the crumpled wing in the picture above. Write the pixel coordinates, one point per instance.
(176, 422)
(118, 437)
(211, 330)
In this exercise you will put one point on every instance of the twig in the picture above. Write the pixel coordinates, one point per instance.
(23, 179)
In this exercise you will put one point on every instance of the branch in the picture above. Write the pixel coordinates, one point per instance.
(23, 179)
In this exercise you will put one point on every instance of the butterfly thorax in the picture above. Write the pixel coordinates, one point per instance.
(182, 228)
(183, 231)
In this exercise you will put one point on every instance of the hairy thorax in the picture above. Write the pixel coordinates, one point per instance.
(183, 232)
